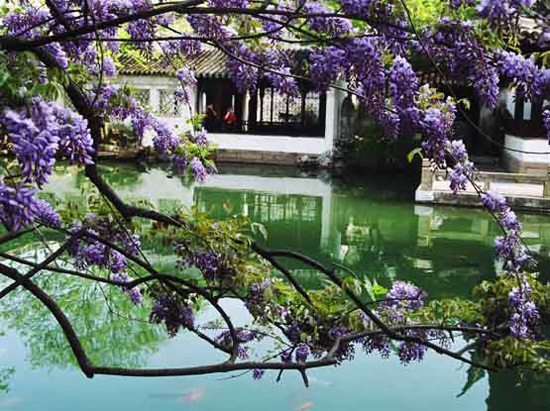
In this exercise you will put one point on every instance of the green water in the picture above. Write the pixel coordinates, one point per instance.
(369, 224)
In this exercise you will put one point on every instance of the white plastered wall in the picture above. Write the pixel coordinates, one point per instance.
(528, 149)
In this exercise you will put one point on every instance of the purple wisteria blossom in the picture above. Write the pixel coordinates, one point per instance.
(134, 293)
(502, 11)
(302, 352)
(283, 82)
(509, 248)
(173, 313)
(46, 214)
(403, 84)
(258, 374)
(16, 206)
(404, 295)
(359, 8)
(326, 66)
(521, 71)
(244, 75)
(209, 263)
(524, 313)
(410, 351)
(199, 137)
(39, 136)
(35, 143)
(333, 26)
(197, 170)
(75, 140)
(109, 67)
(187, 80)
(463, 170)
(179, 164)
(436, 126)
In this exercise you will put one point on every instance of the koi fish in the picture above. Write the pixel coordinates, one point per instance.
(308, 405)
(192, 396)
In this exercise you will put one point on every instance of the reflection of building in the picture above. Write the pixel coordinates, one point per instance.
(266, 121)
(296, 211)
(442, 249)
(290, 219)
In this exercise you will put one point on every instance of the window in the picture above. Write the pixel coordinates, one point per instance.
(168, 104)
(143, 97)
(277, 108)
(292, 115)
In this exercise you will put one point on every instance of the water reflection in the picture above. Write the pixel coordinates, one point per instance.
(103, 317)
(372, 228)
(445, 250)
(507, 392)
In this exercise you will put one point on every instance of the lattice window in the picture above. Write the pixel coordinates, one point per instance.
(311, 110)
(264, 113)
(143, 97)
(168, 104)
(278, 108)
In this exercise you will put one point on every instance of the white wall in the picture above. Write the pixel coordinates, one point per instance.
(282, 144)
(534, 145)
(332, 119)
(156, 83)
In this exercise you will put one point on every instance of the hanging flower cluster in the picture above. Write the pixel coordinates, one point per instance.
(89, 252)
(173, 313)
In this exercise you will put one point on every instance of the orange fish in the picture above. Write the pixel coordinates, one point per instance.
(308, 405)
(192, 396)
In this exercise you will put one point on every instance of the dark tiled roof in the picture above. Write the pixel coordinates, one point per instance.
(211, 63)
(208, 64)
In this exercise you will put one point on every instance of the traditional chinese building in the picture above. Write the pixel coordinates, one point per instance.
(269, 126)
(523, 141)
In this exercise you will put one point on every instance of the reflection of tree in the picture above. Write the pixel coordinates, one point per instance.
(108, 338)
(117, 175)
(5, 374)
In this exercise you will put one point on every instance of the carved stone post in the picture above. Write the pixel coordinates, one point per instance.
(428, 175)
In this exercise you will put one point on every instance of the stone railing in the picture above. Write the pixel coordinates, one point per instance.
(485, 178)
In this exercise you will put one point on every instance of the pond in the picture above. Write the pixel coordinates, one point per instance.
(369, 224)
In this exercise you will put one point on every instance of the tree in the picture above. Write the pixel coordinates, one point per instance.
(69, 48)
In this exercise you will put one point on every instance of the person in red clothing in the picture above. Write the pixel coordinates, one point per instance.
(230, 118)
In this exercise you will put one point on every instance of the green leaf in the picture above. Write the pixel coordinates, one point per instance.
(259, 228)
(369, 289)
(352, 284)
(379, 291)
(413, 153)
(4, 75)
(474, 375)
(465, 102)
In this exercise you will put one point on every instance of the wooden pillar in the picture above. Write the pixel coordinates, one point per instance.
(245, 108)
